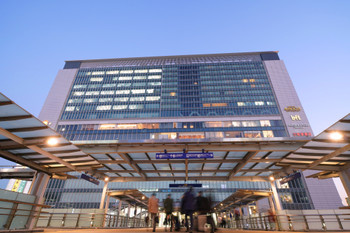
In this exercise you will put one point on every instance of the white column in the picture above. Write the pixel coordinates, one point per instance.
(275, 196)
(103, 197)
(345, 179)
(38, 189)
(119, 210)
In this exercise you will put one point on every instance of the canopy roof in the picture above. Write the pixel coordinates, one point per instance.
(241, 198)
(131, 196)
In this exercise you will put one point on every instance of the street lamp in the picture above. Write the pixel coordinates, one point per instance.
(336, 136)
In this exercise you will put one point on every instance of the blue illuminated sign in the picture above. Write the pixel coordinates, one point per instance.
(208, 155)
(90, 179)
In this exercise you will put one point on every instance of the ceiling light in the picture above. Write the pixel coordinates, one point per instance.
(106, 179)
(272, 178)
(52, 141)
(336, 136)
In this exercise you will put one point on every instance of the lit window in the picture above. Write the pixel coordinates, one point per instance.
(259, 103)
(119, 107)
(267, 133)
(78, 93)
(104, 107)
(154, 77)
(252, 134)
(113, 72)
(219, 104)
(92, 93)
(154, 83)
(141, 91)
(270, 103)
(70, 108)
(265, 123)
(137, 98)
(172, 93)
(107, 92)
(138, 84)
(245, 80)
(236, 123)
(240, 103)
(125, 78)
(206, 105)
(139, 77)
(79, 86)
(122, 92)
(123, 99)
(74, 101)
(107, 126)
(124, 84)
(90, 100)
(115, 78)
(126, 71)
(252, 85)
(102, 100)
(213, 124)
(94, 86)
(149, 91)
(155, 70)
(98, 73)
(141, 71)
(152, 98)
(109, 85)
(127, 126)
(250, 123)
(252, 80)
(140, 106)
(96, 79)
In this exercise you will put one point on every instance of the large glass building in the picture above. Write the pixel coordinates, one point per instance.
(192, 98)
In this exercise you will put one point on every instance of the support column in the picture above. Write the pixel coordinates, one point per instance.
(119, 210)
(275, 196)
(128, 216)
(103, 197)
(38, 189)
(345, 180)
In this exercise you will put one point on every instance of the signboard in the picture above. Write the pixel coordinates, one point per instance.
(21, 186)
(290, 177)
(208, 155)
(90, 179)
(185, 185)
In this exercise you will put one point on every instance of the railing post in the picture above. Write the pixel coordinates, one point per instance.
(63, 220)
(49, 221)
(266, 228)
(306, 224)
(290, 224)
(339, 222)
(11, 216)
(78, 219)
(323, 223)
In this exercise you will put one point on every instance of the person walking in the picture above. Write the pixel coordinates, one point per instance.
(203, 207)
(153, 210)
(187, 207)
(169, 208)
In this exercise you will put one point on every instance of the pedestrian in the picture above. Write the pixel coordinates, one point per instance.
(169, 208)
(272, 219)
(153, 210)
(237, 219)
(188, 205)
(204, 208)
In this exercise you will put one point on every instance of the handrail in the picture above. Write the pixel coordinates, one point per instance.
(25, 203)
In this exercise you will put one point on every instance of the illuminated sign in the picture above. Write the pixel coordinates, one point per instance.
(298, 125)
(292, 109)
(295, 117)
(90, 179)
(208, 155)
(290, 178)
(307, 134)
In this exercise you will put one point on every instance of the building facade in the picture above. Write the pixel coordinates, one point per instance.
(213, 97)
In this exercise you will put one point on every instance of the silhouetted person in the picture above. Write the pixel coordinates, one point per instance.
(203, 207)
(187, 207)
(153, 209)
(168, 208)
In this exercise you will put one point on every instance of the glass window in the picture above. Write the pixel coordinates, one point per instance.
(113, 72)
(70, 108)
(78, 93)
(90, 100)
(122, 92)
(118, 107)
(126, 71)
(102, 100)
(213, 124)
(98, 73)
(250, 123)
(72, 101)
(122, 99)
(139, 77)
(267, 133)
(125, 78)
(265, 123)
(137, 98)
(259, 103)
(240, 103)
(154, 83)
(124, 84)
(92, 93)
(109, 85)
(154, 77)
(141, 71)
(150, 91)
(104, 107)
(252, 134)
(155, 70)
(96, 79)
(236, 123)
(79, 86)
(139, 106)
(152, 98)
(107, 92)
(140, 91)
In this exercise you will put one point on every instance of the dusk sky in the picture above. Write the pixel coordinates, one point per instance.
(313, 38)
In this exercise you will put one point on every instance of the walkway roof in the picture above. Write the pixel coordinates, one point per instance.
(131, 196)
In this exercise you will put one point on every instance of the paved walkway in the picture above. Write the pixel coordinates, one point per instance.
(159, 230)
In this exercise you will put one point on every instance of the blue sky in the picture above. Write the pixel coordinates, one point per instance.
(313, 38)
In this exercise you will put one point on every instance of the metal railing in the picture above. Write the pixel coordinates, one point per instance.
(289, 222)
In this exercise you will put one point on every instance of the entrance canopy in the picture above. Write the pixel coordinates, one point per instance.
(132, 196)
(241, 198)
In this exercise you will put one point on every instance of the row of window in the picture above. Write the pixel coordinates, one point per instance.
(112, 72)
